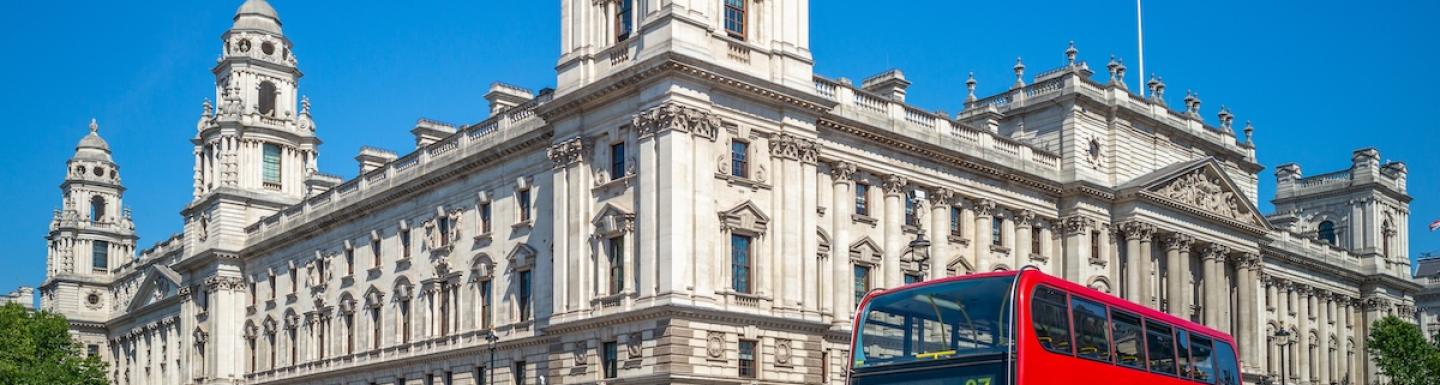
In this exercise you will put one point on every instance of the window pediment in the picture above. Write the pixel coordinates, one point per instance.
(613, 220)
(521, 258)
(866, 251)
(747, 217)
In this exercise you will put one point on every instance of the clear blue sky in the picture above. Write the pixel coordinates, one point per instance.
(1318, 78)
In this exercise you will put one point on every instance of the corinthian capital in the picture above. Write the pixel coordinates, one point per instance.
(941, 196)
(895, 184)
(678, 117)
(567, 153)
(1215, 251)
(786, 146)
(984, 207)
(1076, 224)
(842, 171)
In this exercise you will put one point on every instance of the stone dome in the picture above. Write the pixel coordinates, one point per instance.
(92, 146)
(257, 15)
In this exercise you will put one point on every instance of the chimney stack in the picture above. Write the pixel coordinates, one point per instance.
(505, 96)
(371, 158)
(890, 84)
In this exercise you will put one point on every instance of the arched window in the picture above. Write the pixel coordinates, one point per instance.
(1327, 232)
(97, 208)
(267, 98)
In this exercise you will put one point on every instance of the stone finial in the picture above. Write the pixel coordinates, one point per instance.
(305, 105)
(1120, 74)
(1191, 103)
(1070, 54)
(1019, 72)
(1226, 119)
(1157, 89)
(207, 108)
(1249, 133)
(94, 126)
(1112, 67)
(970, 86)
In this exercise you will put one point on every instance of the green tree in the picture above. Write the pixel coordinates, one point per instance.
(36, 349)
(1402, 354)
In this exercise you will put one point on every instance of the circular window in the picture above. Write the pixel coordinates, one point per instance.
(99, 171)
(268, 48)
(93, 299)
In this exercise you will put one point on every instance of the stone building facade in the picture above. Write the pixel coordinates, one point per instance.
(691, 204)
(1427, 273)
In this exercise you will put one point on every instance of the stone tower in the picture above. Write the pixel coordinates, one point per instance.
(90, 237)
(1362, 209)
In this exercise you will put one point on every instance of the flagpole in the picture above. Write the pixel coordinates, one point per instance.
(1140, 37)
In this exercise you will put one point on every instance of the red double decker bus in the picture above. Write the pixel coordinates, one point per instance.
(1028, 328)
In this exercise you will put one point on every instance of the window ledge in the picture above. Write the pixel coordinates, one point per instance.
(613, 182)
(523, 224)
(742, 181)
(999, 248)
(959, 240)
(1037, 257)
(292, 297)
(866, 219)
(1099, 261)
(911, 229)
(374, 271)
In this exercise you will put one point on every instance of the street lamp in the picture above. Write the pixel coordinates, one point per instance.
(919, 247)
(491, 338)
(1282, 340)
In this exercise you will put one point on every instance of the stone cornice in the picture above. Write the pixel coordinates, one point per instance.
(691, 313)
(672, 63)
(936, 153)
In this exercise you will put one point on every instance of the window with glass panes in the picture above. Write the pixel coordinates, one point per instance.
(483, 210)
(995, 233)
(735, 18)
(862, 282)
(610, 359)
(910, 208)
(100, 255)
(615, 250)
(740, 263)
(747, 359)
(955, 221)
(485, 304)
(624, 19)
(913, 278)
(523, 199)
(617, 160)
(1035, 240)
(524, 295)
(862, 199)
(739, 159)
(270, 163)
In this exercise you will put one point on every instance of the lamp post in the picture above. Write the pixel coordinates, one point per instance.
(491, 338)
(919, 247)
(1282, 340)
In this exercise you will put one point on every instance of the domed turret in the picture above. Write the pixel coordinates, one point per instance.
(93, 147)
(257, 15)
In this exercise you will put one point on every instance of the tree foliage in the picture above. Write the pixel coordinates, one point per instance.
(36, 349)
(1402, 354)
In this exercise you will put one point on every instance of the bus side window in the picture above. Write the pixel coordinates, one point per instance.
(1160, 345)
(1052, 324)
(1227, 371)
(1182, 353)
(1129, 340)
(1200, 357)
(1092, 339)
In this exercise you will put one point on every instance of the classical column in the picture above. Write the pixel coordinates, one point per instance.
(809, 225)
(1129, 232)
(1322, 326)
(1213, 286)
(895, 243)
(562, 155)
(1248, 269)
(1187, 279)
(1023, 235)
(1076, 251)
(1173, 286)
(1145, 267)
(1303, 320)
(984, 217)
(940, 199)
(842, 177)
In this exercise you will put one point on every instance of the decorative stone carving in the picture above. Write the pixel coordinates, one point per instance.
(579, 353)
(842, 171)
(895, 184)
(715, 345)
(1205, 192)
(567, 153)
(984, 207)
(782, 352)
(635, 345)
(941, 196)
(1076, 224)
(675, 116)
(1215, 251)
(786, 146)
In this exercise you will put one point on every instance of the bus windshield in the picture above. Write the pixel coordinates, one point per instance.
(934, 322)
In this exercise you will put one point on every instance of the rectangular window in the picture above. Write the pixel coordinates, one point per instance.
(444, 312)
(404, 243)
(1035, 240)
(270, 164)
(94, 350)
(996, 235)
(349, 261)
(955, 229)
(747, 359)
(825, 367)
(375, 326)
(485, 304)
(1095, 245)
(739, 159)
(443, 224)
(350, 333)
(1182, 353)
(862, 282)
(1227, 370)
(100, 256)
(1202, 364)
(375, 251)
(524, 295)
(480, 378)
(272, 286)
(294, 281)
(735, 18)
(1160, 346)
(1092, 329)
(740, 262)
(913, 278)
(519, 373)
(617, 160)
(1052, 325)
(253, 294)
(484, 212)
(1129, 340)
(910, 208)
(624, 19)
(615, 248)
(610, 359)
(862, 199)
(524, 203)
(405, 321)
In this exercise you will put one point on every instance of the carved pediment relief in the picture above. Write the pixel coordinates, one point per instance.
(745, 217)
(1206, 189)
(158, 285)
(866, 250)
(522, 257)
(613, 220)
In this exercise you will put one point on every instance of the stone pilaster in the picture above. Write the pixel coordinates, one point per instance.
(893, 224)
(842, 179)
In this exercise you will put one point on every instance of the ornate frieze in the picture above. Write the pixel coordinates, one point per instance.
(678, 117)
(216, 283)
(1200, 190)
(786, 146)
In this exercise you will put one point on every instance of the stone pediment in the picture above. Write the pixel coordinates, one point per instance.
(160, 283)
(1200, 187)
